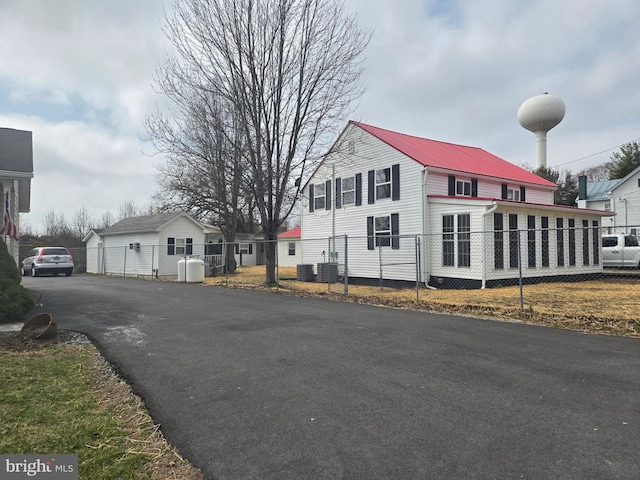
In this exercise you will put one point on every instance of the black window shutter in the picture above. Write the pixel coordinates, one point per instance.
(474, 187)
(327, 192)
(311, 197)
(395, 231)
(395, 182)
(358, 189)
(371, 187)
(251, 249)
(171, 246)
(189, 248)
(338, 193)
(452, 185)
(504, 191)
(522, 194)
(237, 248)
(370, 238)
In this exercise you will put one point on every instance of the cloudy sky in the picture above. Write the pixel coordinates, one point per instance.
(78, 74)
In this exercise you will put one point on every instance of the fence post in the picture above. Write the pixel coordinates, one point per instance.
(417, 254)
(345, 277)
(380, 266)
(520, 272)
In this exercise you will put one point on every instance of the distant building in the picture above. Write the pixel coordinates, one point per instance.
(621, 197)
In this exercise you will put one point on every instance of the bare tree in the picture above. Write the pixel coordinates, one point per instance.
(204, 167)
(106, 220)
(127, 209)
(289, 69)
(81, 222)
(596, 173)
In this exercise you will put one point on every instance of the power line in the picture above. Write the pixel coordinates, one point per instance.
(599, 153)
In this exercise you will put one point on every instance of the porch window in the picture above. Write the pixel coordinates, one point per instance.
(531, 241)
(544, 235)
(456, 240)
(498, 241)
(572, 241)
(585, 242)
(514, 259)
(596, 242)
(560, 241)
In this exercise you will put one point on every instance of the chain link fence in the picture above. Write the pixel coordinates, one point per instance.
(450, 260)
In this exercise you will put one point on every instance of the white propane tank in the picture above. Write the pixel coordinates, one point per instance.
(195, 270)
(182, 269)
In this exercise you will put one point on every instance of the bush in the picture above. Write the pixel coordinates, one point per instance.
(15, 300)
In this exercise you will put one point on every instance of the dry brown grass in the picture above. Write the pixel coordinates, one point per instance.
(601, 306)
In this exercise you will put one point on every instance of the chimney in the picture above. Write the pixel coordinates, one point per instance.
(582, 187)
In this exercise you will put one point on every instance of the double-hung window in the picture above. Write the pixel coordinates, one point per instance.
(382, 231)
(456, 240)
(292, 248)
(383, 183)
(348, 191)
(513, 194)
(463, 188)
(319, 199)
(179, 246)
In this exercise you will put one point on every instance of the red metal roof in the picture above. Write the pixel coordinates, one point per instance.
(449, 156)
(294, 232)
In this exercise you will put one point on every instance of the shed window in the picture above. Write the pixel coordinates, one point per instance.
(180, 246)
(292, 248)
(171, 246)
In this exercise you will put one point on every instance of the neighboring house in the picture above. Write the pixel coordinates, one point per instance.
(150, 245)
(16, 172)
(621, 197)
(289, 248)
(379, 187)
(249, 249)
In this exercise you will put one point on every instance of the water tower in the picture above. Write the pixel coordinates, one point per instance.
(540, 114)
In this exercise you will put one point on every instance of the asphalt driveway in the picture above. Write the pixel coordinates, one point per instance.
(251, 385)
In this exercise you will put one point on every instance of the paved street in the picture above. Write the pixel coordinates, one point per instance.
(251, 385)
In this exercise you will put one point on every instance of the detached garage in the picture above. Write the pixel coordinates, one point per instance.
(150, 245)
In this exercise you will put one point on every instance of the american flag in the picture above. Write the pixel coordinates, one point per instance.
(8, 227)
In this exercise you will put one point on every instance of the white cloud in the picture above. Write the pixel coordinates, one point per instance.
(79, 74)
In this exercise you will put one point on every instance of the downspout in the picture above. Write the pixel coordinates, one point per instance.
(425, 221)
(484, 241)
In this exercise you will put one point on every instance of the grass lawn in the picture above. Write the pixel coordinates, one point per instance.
(601, 306)
(61, 398)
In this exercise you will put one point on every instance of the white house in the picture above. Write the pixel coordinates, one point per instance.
(289, 248)
(249, 249)
(16, 172)
(621, 197)
(382, 189)
(149, 245)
